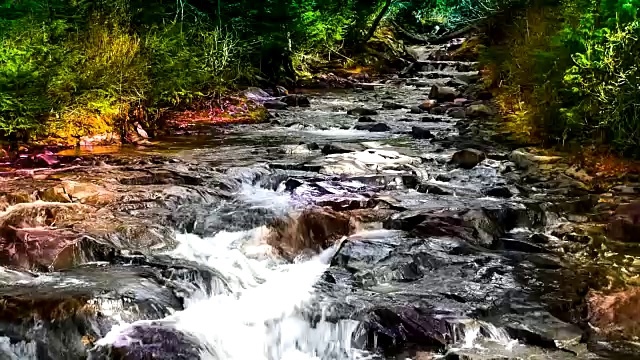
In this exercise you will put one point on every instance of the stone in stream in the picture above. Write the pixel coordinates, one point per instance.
(297, 100)
(431, 119)
(443, 93)
(342, 148)
(525, 160)
(433, 189)
(76, 307)
(499, 192)
(366, 162)
(624, 224)
(467, 158)
(438, 110)
(160, 339)
(314, 229)
(614, 314)
(387, 105)
(456, 113)
(421, 133)
(275, 104)
(366, 119)
(479, 111)
(415, 110)
(372, 127)
(428, 105)
(360, 111)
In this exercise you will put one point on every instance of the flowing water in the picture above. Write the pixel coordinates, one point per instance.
(404, 256)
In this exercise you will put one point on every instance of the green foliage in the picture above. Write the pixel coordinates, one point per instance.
(572, 65)
(80, 67)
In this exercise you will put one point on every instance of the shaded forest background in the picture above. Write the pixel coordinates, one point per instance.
(564, 71)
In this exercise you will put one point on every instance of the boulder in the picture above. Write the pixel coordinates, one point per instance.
(342, 148)
(297, 100)
(431, 119)
(615, 314)
(467, 158)
(443, 93)
(456, 113)
(438, 110)
(387, 105)
(275, 104)
(525, 160)
(428, 105)
(373, 127)
(313, 229)
(624, 225)
(415, 110)
(499, 192)
(421, 133)
(479, 111)
(372, 161)
(433, 189)
(366, 119)
(360, 111)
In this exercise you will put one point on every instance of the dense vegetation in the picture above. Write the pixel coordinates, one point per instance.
(562, 69)
(567, 70)
(73, 68)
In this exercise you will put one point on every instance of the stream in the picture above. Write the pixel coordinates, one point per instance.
(360, 227)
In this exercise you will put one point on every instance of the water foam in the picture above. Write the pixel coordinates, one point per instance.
(261, 316)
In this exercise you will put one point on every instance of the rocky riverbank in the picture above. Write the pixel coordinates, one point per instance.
(444, 239)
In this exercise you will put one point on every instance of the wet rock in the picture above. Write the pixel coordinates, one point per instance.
(297, 100)
(431, 119)
(615, 314)
(275, 104)
(624, 225)
(438, 110)
(366, 119)
(472, 226)
(421, 133)
(406, 120)
(499, 192)
(375, 127)
(387, 105)
(342, 148)
(360, 111)
(256, 94)
(428, 105)
(443, 177)
(479, 111)
(456, 113)
(365, 162)
(138, 341)
(391, 329)
(525, 160)
(522, 246)
(76, 307)
(44, 249)
(314, 229)
(433, 189)
(443, 93)
(416, 110)
(467, 158)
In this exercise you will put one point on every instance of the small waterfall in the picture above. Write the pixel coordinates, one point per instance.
(473, 333)
(260, 316)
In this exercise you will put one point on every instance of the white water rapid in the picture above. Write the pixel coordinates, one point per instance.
(259, 316)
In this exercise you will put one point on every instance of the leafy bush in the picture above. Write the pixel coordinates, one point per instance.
(567, 70)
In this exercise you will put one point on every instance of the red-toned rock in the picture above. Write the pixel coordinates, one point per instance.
(615, 315)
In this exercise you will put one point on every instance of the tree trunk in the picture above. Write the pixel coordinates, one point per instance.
(376, 21)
